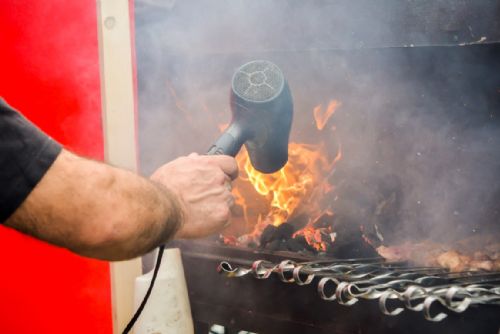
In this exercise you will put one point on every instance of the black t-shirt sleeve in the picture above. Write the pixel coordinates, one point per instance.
(26, 153)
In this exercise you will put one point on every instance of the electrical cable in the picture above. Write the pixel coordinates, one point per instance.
(138, 312)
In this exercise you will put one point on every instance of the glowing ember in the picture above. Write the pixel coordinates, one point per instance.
(318, 238)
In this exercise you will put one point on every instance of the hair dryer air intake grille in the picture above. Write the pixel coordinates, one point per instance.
(258, 81)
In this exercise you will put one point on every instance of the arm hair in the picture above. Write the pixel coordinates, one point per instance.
(97, 210)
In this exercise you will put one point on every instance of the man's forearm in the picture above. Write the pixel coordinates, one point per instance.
(147, 216)
(97, 210)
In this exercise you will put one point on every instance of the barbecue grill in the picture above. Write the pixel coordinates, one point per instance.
(285, 293)
(414, 93)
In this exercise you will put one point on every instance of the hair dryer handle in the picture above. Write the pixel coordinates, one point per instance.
(229, 143)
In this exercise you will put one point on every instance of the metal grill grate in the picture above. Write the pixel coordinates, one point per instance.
(395, 285)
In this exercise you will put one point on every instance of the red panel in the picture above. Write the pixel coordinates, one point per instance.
(49, 70)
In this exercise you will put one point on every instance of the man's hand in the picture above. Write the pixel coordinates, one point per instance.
(203, 186)
(104, 212)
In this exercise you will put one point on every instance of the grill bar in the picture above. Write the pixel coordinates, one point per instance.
(395, 285)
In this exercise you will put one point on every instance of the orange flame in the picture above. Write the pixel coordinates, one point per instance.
(222, 126)
(298, 188)
(178, 102)
(293, 184)
(315, 236)
(321, 117)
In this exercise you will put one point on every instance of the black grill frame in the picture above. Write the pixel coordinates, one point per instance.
(270, 306)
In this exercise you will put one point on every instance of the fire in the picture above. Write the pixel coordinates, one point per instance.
(293, 184)
(317, 237)
(320, 117)
(222, 126)
(178, 102)
(298, 189)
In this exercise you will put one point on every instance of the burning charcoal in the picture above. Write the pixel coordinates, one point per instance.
(284, 231)
(252, 245)
(330, 247)
(229, 240)
(272, 233)
(225, 240)
(352, 247)
(294, 245)
(299, 221)
(325, 220)
(301, 240)
(267, 235)
(326, 235)
(276, 245)
(349, 243)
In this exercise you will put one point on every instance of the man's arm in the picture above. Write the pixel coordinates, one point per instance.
(100, 211)
(97, 210)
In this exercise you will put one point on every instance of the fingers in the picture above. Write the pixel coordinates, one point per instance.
(230, 201)
(227, 183)
(226, 212)
(226, 163)
(227, 201)
(204, 186)
(228, 223)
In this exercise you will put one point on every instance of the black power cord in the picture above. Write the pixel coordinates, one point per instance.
(137, 313)
(226, 144)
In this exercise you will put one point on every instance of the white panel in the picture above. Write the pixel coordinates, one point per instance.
(119, 130)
